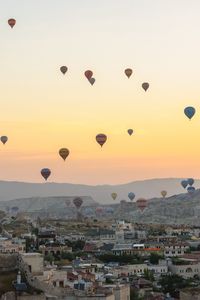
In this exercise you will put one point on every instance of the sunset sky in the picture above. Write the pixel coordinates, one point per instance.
(42, 110)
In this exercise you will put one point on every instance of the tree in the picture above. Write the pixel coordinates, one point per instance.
(148, 275)
(154, 258)
(49, 257)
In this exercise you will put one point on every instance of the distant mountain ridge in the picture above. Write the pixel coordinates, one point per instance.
(151, 188)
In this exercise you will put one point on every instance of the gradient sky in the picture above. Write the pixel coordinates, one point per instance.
(42, 110)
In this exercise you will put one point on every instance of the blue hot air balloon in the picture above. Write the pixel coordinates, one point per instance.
(191, 190)
(189, 112)
(184, 183)
(190, 181)
(131, 196)
(45, 173)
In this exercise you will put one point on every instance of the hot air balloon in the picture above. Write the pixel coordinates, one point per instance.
(78, 202)
(64, 152)
(46, 173)
(88, 74)
(145, 86)
(191, 190)
(4, 139)
(190, 181)
(63, 69)
(141, 203)
(92, 80)
(101, 139)
(128, 72)
(11, 22)
(131, 196)
(184, 183)
(114, 196)
(164, 193)
(130, 131)
(189, 112)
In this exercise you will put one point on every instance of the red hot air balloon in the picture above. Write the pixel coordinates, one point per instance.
(101, 139)
(45, 173)
(4, 139)
(145, 86)
(63, 69)
(128, 72)
(141, 203)
(88, 74)
(11, 22)
(78, 202)
(64, 152)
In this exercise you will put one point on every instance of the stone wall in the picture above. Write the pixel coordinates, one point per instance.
(8, 262)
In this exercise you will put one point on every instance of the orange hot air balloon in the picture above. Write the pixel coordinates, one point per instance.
(64, 152)
(141, 203)
(4, 139)
(128, 72)
(63, 69)
(11, 22)
(101, 139)
(92, 80)
(145, 86)
(88, 74)
(164, 193)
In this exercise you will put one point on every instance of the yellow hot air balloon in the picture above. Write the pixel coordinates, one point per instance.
(164, 193)
(114, 196)
(64, 152)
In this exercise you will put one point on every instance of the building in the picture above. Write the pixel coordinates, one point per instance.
(191, 293)
(176, 249)
(34, 262)
(185, 268)
(9, 246)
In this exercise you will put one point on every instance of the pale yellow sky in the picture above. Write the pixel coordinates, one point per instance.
(42, 110)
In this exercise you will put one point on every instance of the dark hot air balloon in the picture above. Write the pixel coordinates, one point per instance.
(145, 86)
(130, 131)
(63, 69)
(4, 139)
(92, 80)
(189, 112)
(184, 183)
(191, 190)
(11, 22)
(131, 196)
(190, 181)
(78, 202)
(101, 139)
(128, 72)
(64, 152)
(45, 173)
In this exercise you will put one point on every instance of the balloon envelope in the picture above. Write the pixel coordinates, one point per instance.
(101, 139)
(92, 80)
(64, 152)
(130, 131)
(78, 202)
(128, 72)
(45, 173)
(4, 139)
(184, 183)
(145, 86)
(190, 181)
(11, 22)
(114, 196)
(191, 189)
(88, 74)
(63, 69)
(164, 193)
(131, 196)
(189, 112)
